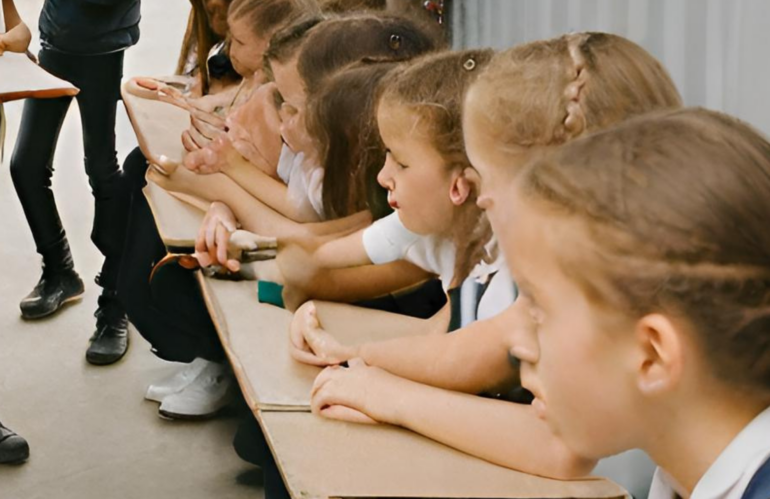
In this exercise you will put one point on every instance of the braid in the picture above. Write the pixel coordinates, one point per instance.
(574, 123)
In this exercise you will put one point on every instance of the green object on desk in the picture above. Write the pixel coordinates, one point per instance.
(270, 292)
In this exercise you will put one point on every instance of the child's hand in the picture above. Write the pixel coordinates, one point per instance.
(311, 344)
(214, 236)
(350, 394)
(217, 157)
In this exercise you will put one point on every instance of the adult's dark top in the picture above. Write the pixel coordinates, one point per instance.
(89, 27)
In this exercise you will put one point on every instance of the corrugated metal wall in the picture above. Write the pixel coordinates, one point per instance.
(715, 50)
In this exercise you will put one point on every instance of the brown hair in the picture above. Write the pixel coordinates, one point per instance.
(338, 42)
(341, 120)
(199, 35)
(433, 88)
(547, 92)
(675, 209)
(269, 16)
(421, 13)
(342, 6)
(286, 42)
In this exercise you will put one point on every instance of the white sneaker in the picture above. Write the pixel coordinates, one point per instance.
(176, 382)
(202, 398)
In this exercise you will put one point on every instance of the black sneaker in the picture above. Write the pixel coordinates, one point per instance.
(52, 292)
(13, 448)
(110, 340)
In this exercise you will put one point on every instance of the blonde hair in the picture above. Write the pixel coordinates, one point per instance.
(673, 209)
(547, 92)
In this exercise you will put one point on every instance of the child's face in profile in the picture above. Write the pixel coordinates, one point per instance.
(293, 109)
(493, 169)
(246, 48)
(415, 174)
(577, 358)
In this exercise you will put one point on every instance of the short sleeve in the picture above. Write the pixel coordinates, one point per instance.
(387, 240)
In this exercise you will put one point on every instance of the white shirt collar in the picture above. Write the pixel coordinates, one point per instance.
(730, 474)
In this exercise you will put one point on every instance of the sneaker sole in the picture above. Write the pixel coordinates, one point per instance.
(172, 416)
(69, 300)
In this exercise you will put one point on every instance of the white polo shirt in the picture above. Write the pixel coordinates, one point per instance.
(729, 476)
(387, 240)
(305, 182)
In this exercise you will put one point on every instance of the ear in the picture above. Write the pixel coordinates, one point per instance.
(661, 354)
(460, 189)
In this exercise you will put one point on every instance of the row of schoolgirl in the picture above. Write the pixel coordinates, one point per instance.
(632, 229)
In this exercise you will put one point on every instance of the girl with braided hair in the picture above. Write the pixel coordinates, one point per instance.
(528, 99)
(661, 309)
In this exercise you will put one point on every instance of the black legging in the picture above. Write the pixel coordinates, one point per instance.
(169, 312)
(98, 78)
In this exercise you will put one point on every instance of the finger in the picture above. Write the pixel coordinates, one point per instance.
(343, 413)
(197, 137)
(211, 120)
(211, 232)
(233, 265)
(222, 236)
(306, 357)
(357, 362)
(188, 142)
(204, 128)
(323, 378)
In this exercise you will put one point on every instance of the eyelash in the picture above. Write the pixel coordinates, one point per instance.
(402, 166)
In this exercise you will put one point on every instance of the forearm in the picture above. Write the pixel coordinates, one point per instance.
(472, 360)
(363, 283)
(270, 191)
(11, 15)
(504, 433)
(347, 251)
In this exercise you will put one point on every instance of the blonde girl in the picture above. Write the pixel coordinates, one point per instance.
(523, 102)
(661, 304)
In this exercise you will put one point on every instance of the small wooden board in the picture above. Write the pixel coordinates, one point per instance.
(178, 222)
(158, 126)
(21, 78)
(320, 458)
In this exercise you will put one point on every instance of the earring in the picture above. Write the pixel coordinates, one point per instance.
(395, 42)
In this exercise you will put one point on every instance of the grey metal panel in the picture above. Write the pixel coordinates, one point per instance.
(714, 49)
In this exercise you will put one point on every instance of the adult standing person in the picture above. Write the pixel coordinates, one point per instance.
(83, 42)
(14, 37)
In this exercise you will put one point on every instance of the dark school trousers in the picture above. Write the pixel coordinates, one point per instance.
(98, 78)
(168, 312)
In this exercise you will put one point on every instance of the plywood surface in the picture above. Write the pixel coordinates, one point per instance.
(22, 78)
(256, 338)
(158, 126)
(177, 221)
(322, 458)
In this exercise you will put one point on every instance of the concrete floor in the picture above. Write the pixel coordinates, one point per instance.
(91, 433)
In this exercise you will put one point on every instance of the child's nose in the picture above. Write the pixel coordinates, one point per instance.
(384, 178)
